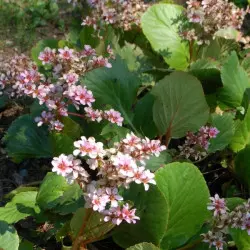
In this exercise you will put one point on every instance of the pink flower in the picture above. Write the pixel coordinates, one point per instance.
(47, 55)
(45, 118)
(114, 116)
(113, 196)
(117, 215)
(100, 61)
(213, 132)
(71, 78)
(89, 147)
(218, 205)
(93, 115)
(125, 164)
(132, 141)
(84, 96)
(62, 165)
(88, 51)
(66, 53)
(56, 125)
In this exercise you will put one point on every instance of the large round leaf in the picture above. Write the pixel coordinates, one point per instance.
(160, 28)
(8, 237)
(186, 193)
(151, 208)
(180, 105)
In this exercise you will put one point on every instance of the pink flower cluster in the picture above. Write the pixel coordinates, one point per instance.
(196, 145)
(223, 219)
(120, 13)
(10, 74)
(114, 167)
(62, 87)
(210, 16)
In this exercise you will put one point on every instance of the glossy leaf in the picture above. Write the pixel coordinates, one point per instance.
(56, 194)
(9, 239)
(25, 140)
(158, 25)
(150, 207)
(116, 87)
(186, 194)
(180, 105)
(21, 206)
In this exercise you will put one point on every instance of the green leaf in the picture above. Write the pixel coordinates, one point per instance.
(186, 194)
(180, 105)
(87, 37)
(235, 82)
(70, 201)
(242, 133)
(242, 165)
(95, 228)
(116, 87)
(3, 101)
(143, 246)
(225, 124)
(26, 245)
(56, 194)
(151, 208)
(25, 140)
(21, 206)
(246, 65)
(114, 133)
(208, 73)
(161, 31)
(143, 118)
(154, 163)
(40, 46)
(233, 202)
(71, 128)
(51, 190)
(131, 54)
(61, 143)
(9, 239)
(241, 239)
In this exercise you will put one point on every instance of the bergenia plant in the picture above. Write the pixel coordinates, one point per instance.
(137, 123)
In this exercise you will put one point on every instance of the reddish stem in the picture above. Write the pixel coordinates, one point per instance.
(75, 114)
(77, 241)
